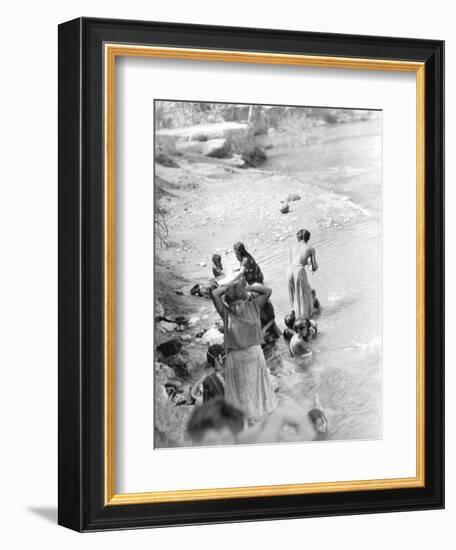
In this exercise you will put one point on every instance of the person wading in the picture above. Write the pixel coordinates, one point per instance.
(299, 290)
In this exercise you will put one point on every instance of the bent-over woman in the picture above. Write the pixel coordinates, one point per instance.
(249, 269)
(247, 383)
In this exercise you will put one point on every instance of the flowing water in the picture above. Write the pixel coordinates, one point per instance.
(345, 368)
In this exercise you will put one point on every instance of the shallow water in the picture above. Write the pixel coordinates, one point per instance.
(345, 367)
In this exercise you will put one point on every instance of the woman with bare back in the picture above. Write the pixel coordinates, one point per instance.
(299, 290)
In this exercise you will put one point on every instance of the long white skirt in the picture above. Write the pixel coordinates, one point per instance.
(299, 291)
(247, 383)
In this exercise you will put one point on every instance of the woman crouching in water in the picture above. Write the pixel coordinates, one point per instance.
(247, 383)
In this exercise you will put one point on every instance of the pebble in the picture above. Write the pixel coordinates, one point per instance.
(166, 326)
(293, 197)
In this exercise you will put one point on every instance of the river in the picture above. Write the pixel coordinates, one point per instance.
(345, 368)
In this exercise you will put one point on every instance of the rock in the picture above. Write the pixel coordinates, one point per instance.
(204, 132)
(194, 291)
(171, 347)
(166, 326)
(193, 320)
(159, 309)
(169, 420)
(163, 373)
(165, 160)
(237, 161)
(202, 264)
(285, 209)
(179, 365)
(213, 336)
(186, 337)
(189, 147)
(254, 157)
(181, 320)
(293, 197)
(216, 148)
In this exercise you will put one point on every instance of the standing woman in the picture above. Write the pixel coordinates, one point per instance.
(299, 290)
(247, 383)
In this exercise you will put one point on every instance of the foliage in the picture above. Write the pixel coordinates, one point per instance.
(176, 114)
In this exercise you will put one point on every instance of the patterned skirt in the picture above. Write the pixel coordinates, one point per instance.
(247, 383)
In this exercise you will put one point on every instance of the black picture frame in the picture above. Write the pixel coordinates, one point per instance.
(81, 473)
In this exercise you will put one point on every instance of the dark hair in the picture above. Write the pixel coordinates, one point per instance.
(216, 259)
(290, 319)
(302, 324)
(215, 415)
(303, 235)
(239, 249)
(213, 352)
(234, 293)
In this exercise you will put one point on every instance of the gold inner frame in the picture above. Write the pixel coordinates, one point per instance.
(111, 52)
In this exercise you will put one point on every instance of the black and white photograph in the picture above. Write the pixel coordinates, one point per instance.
(268, 274)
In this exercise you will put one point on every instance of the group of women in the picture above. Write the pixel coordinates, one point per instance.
(240, 302)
